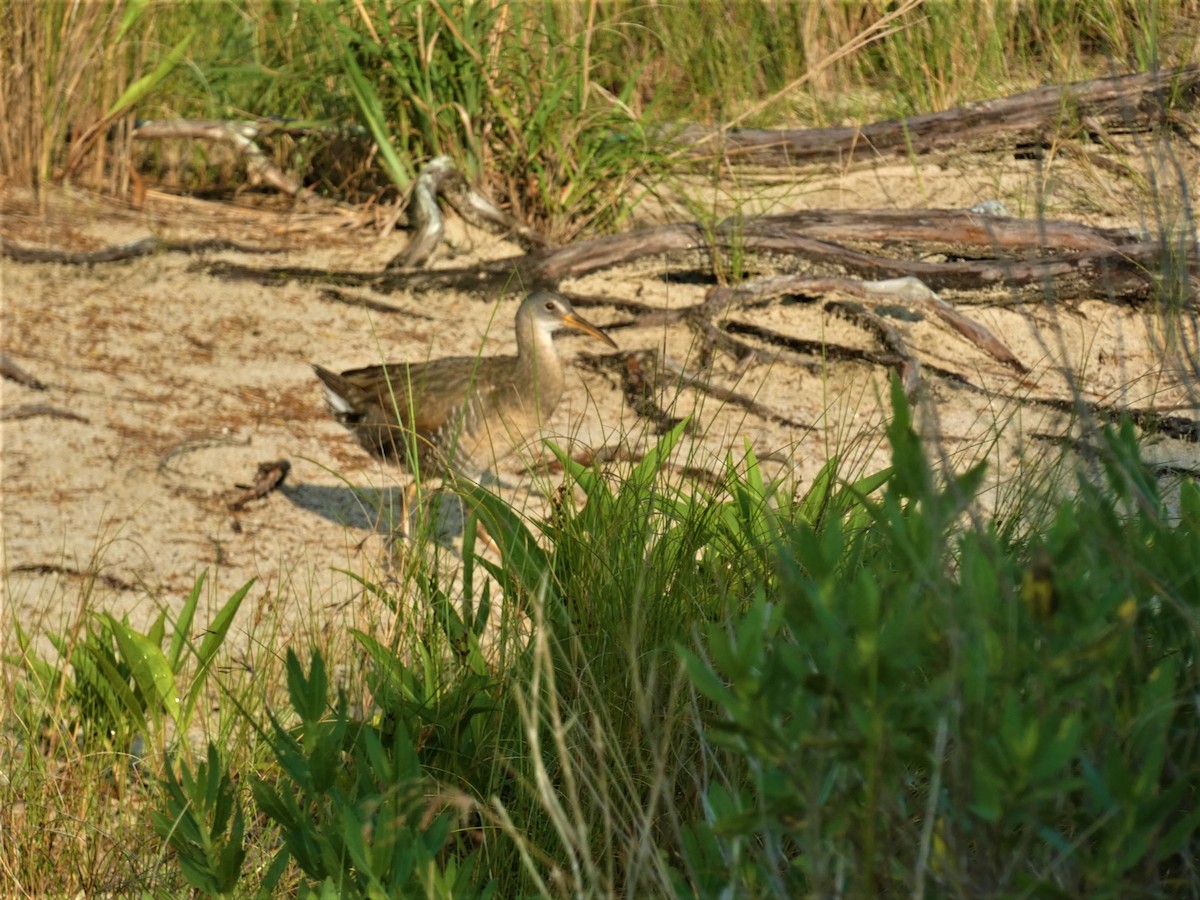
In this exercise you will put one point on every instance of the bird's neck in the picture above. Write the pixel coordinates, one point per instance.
(538, 364)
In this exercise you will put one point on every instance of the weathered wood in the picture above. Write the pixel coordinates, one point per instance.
(440, 178)
(1126, 100)
(241, 136)
(1069, 256)
(904, 290)
(1096, 262)
(953, 226)
(10, 370)
(583, 257)
(120, 252)
(424, 217)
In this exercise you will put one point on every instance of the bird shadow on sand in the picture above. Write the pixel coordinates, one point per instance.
(362, 508)
(373, 509)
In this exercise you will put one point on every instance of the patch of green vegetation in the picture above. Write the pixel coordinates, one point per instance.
(923, 706)
(561, 111)
(661, 689)
(868, 690)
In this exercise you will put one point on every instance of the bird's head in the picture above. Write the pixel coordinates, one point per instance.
(550, 312)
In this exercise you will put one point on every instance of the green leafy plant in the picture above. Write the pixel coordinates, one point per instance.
(501, 91)
(122, 682)
(922, 705)
(355, 809)
(202, 822)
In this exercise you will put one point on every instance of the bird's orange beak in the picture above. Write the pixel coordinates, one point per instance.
(578, 323)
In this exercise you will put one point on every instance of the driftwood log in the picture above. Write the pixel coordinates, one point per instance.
(979, 252)
(242, 136)
(1118, 103)
(440, 177)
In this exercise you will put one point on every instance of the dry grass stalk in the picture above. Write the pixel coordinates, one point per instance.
(61, 68)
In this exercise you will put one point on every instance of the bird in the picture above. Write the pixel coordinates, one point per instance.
(460, 414)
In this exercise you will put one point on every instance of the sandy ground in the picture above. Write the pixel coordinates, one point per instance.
(184, 383)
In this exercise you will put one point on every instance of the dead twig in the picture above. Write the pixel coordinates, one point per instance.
(32, 410)
(13, 372)
(335, 296)
(440, 177)
(133, 250)
(269, 477)
(639, 384)
(746, 355)
(726, 395)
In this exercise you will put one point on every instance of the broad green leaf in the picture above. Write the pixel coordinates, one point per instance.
(644, 471)
(151, 671)
(585, 476)
(1059, 750)
(96, 670)
(523, 558)
(215, 634)
(819, 492)
(705, 679)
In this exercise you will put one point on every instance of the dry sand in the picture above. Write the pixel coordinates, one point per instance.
(185, 383)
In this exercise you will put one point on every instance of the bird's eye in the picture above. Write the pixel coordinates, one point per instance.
(550, 304)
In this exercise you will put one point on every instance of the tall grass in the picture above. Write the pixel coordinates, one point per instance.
(715, 62)
(71, 76)
(545, 104)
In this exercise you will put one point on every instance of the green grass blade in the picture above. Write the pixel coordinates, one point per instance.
(371, 108)
(147, 83)
(133, 12)
(644, 472)
(219, 627)
(183, 625)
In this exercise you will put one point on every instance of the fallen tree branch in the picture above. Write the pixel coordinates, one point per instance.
(726, 395)
(1120, 258)
(822, 350)
(1072, 257)
(13, 372)
(241, 136)
(908, 290)
(440, 177)
(642, 373)
(133, 250)
(744, 354)
(1124, 100)
(960, 227)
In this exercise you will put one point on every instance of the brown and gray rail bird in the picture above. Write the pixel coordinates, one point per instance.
(461, 413)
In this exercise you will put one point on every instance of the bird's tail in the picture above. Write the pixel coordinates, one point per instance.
(342, 396)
